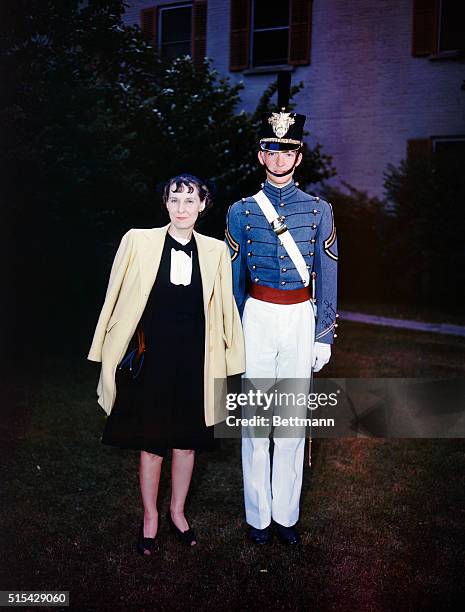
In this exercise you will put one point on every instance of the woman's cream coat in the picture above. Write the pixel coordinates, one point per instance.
(132, 276)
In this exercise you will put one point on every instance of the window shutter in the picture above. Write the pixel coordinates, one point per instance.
(199, 31)
(425, 27)
(418, 148)
(148, 22)
(239, 35)
(300, 32)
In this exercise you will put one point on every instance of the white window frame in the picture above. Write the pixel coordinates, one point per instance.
(252, 35)
(170, 7)
(439, 139)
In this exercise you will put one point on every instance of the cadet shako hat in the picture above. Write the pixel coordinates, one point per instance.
(282, 131)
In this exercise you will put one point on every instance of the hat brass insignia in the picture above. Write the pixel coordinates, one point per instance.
(281, 122)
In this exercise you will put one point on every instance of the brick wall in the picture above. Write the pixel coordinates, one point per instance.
(364, 94)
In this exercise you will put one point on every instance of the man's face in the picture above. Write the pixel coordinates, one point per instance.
(279, 162)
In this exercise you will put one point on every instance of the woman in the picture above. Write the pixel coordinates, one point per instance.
(170, 295)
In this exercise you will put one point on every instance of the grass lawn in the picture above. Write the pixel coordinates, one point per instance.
(382, 521)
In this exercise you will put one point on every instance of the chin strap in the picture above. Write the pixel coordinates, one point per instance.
(280, 174)
(277, 173)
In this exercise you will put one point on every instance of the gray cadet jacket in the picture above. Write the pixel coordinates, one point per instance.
(258, 257)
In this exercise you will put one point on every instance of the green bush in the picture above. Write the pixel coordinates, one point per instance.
(93, 121)
(426, 247)
(409, 248)
(363, 226)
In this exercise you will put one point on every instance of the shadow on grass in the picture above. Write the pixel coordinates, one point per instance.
(382, 522)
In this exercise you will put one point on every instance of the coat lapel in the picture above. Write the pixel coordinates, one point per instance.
(150, 257)
(209, 258)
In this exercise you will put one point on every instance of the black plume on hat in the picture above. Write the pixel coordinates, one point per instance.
(282, 131)
(284, 89)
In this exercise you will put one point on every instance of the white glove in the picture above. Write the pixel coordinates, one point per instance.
(321, 355)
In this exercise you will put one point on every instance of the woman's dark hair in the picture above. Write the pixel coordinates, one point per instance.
(190, 181)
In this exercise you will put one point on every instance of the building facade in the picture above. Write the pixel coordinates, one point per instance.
(382, 80)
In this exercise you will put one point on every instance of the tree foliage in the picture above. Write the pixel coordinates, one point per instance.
(93, 120)
(363, 225)
(426, 244)
(99, 118)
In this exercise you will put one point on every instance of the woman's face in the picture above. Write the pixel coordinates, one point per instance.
(184, 206)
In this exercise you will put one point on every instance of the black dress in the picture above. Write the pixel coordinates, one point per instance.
(164, 406)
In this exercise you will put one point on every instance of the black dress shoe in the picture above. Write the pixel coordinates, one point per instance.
(288, 535)
(145, 546)
(259, 536)
(185, 537)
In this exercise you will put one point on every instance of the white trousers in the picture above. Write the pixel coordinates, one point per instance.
(278, 344)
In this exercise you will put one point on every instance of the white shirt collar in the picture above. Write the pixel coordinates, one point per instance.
(280, 186)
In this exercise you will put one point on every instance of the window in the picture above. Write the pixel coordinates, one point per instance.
(438, 28)
(177, 29)
(264, 34)
(452, 146)
(270, 33)
(445, 146)
(451, 26)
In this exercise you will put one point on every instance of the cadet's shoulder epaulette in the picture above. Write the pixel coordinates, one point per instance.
(236, 207)
(310, 196)
(314, 198)
(322, 202)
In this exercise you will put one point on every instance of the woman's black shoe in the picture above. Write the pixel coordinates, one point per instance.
(145, 546)
(186, 537)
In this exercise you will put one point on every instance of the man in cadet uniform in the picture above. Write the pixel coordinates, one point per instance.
(283, 244)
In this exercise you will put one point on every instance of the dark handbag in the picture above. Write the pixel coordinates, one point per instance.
(131, 364)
